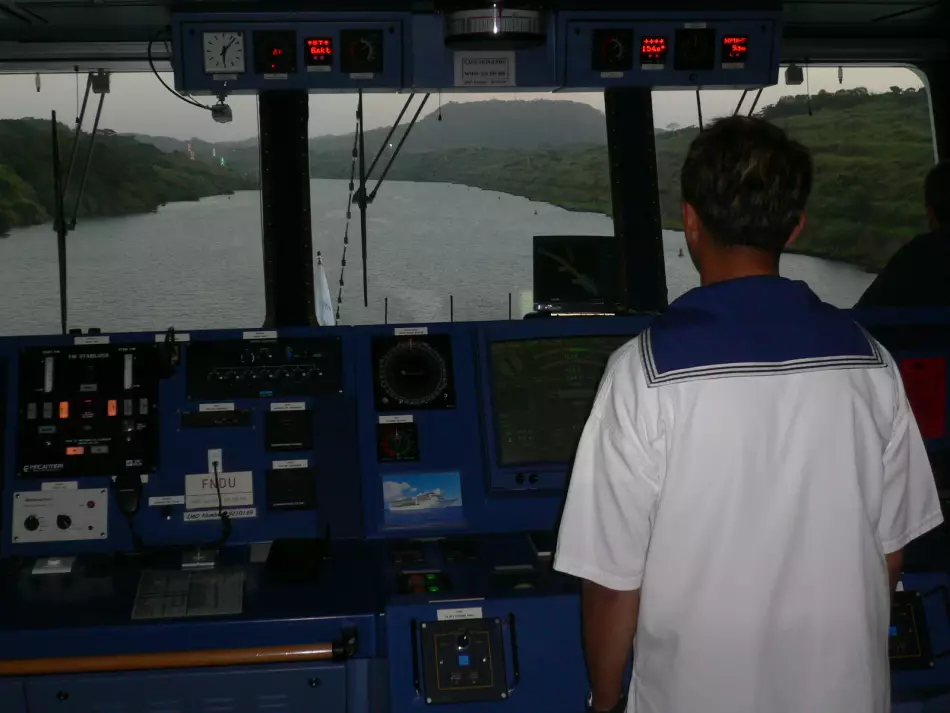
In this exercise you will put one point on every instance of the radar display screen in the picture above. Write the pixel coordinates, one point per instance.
(543, 390)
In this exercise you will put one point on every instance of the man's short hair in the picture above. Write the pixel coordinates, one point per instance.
(937, 192)
(748, 182)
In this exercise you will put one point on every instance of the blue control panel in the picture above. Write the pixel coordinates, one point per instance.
(472, 51)
(128, 441)
(404, 484)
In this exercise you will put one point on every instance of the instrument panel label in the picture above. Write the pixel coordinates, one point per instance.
(233, 513)
(86, 341)
(290, 406)
(163, 500)
(396, 419)
(61, 485)
(460, 613)
(208, 408)
(411, 331)
(485, 69)
(261, 334)
(201, 490)
(291, 464)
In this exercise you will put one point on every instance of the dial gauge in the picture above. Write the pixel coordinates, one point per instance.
(223, 52)
(413, 374)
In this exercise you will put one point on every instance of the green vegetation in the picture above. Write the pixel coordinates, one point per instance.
(871, 152)
(125, 176)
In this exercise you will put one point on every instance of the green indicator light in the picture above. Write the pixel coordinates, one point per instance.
(430, 577)
(435, 589)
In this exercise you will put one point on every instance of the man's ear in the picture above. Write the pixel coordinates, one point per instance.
(798, 230)
(691, 221)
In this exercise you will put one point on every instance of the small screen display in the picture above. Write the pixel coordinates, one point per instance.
(735, 49)
(695, 49)
(893, 630)
(576, 272)
(275, 52)
(543, 390)
(319, 52)
(653, 51)
(463, 660)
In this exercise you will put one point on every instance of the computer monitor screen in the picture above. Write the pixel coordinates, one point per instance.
(542, 392)
(575, 272)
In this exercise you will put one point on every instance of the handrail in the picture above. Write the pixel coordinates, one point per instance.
(169, 660)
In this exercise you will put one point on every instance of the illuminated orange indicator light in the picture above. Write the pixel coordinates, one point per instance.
(64, 409)
(75, 450)
(113, 407)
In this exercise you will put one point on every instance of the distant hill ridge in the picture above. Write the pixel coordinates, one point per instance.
(871, 153)
(538, 124)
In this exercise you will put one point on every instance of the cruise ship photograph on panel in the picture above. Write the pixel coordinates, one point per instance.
(414, 500)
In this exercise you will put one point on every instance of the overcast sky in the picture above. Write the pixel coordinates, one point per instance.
(139, 104)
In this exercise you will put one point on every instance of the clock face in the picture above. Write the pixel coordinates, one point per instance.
(223, 52)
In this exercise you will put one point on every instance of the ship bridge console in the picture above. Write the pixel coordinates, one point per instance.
(302, 518)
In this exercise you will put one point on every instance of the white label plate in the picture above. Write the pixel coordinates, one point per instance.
(395, 419)
(179, 337)
(207, 408)
(460, 613)
(291, 464)
(411, 331)
(163, 500)
(485, 69)
(62, 485)
(261, 334)
(84, 341)
(236, 489)
(290, 406)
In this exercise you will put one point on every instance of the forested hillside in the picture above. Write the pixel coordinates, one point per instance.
(871, 151)
(125, 176)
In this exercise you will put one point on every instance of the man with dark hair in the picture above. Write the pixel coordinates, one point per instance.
(749, 473)
(918, 275)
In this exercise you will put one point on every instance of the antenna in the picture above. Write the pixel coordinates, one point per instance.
(699, 109)
(60, 223)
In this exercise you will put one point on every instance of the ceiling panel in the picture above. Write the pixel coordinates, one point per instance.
(823, 21)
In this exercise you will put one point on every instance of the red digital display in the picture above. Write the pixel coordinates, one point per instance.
(277, 52)
(653, 51)
(735, 49)
(319, 52)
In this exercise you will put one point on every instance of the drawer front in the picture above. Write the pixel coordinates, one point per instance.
(257, 689)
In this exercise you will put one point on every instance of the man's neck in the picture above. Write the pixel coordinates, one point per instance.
(737, 263)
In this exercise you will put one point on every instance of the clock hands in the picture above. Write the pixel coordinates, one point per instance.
(224, 50)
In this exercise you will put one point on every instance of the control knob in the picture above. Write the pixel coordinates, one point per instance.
(31, 523)
(463, 641)
(63, 522)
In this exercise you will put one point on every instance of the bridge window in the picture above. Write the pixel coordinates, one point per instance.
(168, 226)
(450, 232)
(871, 138)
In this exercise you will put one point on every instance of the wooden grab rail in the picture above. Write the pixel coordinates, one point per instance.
(172, 659)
